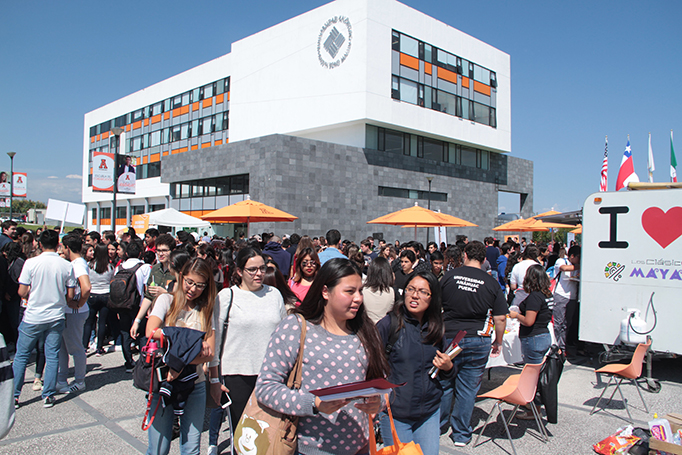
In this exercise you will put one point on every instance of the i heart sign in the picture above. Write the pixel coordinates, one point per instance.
(663, 227)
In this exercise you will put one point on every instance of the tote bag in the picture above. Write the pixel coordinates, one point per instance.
(263, 431)
(398, 448)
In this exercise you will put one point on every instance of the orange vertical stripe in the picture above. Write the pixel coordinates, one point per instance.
(465, 82)
(146, 122)
(409, 61)
(145, 159)
(128, 127)
(482, 88)
(166, 115)
(427, 68)
(92, 140)
(220, 98)
(228, 96)
(195, 106)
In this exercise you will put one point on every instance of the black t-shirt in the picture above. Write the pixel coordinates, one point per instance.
(471, 298)
(491, 254)
(536, 301)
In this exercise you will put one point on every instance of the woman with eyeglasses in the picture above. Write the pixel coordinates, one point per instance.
(417, 322)
(255, 310)
(305, 269)
(191, 306)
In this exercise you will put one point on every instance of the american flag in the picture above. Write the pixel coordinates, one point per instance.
(605, 167)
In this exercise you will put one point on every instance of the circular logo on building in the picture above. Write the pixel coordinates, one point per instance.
(613, 270)
(333, 43)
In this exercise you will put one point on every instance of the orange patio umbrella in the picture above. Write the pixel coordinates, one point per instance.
(248, 211)
(417, 216)
(577, 230)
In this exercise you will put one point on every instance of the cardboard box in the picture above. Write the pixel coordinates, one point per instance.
(675, 424)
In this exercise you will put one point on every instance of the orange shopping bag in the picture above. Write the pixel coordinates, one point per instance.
(398, 448)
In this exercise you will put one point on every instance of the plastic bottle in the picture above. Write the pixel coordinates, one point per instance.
(632, 321)
(660, 429)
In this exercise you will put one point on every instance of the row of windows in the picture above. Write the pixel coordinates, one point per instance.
(412, 194)
(422, 147)
(221, 186)
(194, 128)
(197, 94)
(121, 212)
(438, 100)
(423, 51)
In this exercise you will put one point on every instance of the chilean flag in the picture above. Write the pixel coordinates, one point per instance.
(626, 173)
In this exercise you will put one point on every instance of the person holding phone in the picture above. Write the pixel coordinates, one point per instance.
(190, 305)
(342, 346)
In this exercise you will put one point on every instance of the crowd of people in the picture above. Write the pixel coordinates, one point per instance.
(376, 310)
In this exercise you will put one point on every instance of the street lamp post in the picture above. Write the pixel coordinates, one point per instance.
(116, 131)
(429, 207)
(11, 182)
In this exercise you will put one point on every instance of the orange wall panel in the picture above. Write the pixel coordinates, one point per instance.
(465, 82)
(427, 68)
(137, 124)
(156, 119)
(146, 122)
(184, 109)
(482, 88)
(105, 135)
(165, 153)
(145, 159)
(228, 96)
(218, 142)
(194, 147)
(154, 157)
(180, 150)
(205, 144)
(447, 75)
(207, 102)
(166, 115)
(128, 127)
(195, 106)
(409, 61)
(220, 98)
(92, 140)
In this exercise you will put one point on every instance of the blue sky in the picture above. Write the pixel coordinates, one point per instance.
(580, 70)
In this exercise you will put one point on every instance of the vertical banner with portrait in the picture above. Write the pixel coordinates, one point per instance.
(4, 184)
(103, 171)
(126, 175)
(20, 188)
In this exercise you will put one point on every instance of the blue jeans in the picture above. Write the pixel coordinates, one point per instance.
(425, 432)
(29, 335)
(216, 421)
(534, 348)
(191, 424)
(469, 368)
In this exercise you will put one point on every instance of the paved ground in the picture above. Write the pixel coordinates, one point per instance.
(106, 417)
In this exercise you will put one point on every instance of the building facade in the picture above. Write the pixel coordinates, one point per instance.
(336, 116)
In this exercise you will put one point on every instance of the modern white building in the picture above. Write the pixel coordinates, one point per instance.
(403, 95)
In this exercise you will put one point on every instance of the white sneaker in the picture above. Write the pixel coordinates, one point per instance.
(212, 450)
(74, 387)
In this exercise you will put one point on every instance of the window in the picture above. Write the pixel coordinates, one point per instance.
(481, 74)
(468, 157)
(105, 212)
(409, 46)
(177, 102)
(412, 194)
(157, 109)
(165, 135)
(175, 134)
(155, 138)
(483, 159)
(432, 149)
(136, 143)
(104, 127)
(408, 91)
(136, 210)
(184, 131)
(155, 207)
(208, 91)
(138, 115)
(447, 102)
(185, 99)
(121, 212)
(120, 121)
(395, 41)
(154, 169)
(481, 114)
(94, 215)
(393, 141)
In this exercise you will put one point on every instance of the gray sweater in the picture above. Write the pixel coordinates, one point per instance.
(328, 360)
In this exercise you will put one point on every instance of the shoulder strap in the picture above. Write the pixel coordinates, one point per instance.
(295, 377)
(222, 340)
(393, 333)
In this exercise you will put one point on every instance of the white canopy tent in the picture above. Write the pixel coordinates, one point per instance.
(174, 218)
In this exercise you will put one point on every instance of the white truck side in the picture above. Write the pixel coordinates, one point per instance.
(631, 250)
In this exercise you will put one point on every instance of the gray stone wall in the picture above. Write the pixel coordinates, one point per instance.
(329, 185)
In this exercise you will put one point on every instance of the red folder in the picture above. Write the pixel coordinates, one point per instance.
(356, 390)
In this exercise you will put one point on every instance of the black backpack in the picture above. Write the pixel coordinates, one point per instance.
(123, 294)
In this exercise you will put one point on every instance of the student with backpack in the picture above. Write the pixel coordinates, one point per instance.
(413, 336)
(125, 294)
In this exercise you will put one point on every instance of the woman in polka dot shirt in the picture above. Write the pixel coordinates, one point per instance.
(342, 346)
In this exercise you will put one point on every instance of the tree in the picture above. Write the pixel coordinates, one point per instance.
(21, 206)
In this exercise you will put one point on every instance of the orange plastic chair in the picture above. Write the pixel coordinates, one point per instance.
(519, 390)
(631, 371)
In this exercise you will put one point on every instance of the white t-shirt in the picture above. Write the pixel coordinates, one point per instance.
(565, 287)
(190, 319)
(48, 276)
(518, 272)
(80, 268)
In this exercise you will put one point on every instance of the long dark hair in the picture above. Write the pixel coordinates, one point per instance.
(100, 263)
(536, 280)
(379, 275)
(204, 303)
(312, 308)
(13, 251)
(433, 316)
(298, 266)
